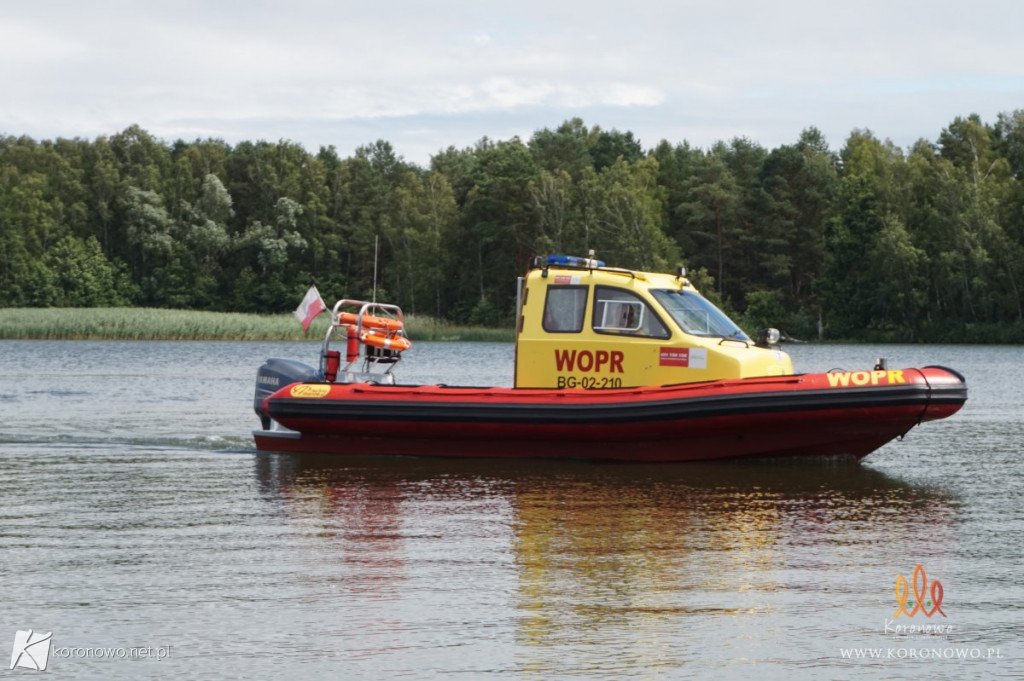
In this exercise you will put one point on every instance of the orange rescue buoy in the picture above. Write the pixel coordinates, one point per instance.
(370, 322)
(387, 341)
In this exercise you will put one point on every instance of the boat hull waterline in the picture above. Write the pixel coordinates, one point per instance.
(826, 414)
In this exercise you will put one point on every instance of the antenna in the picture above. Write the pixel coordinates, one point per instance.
(376, 240)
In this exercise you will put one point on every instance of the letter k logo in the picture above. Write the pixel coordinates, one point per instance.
(31, 651)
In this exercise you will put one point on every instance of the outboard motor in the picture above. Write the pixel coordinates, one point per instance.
(274, 375)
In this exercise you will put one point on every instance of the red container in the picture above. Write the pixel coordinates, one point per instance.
(331, 368)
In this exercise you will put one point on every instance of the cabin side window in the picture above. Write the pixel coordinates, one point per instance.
(564, 308)
(617, 311)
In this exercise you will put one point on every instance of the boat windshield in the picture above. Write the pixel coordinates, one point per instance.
(697, 316)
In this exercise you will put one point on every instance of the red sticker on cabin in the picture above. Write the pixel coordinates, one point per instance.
(692, 358)
(562, 280)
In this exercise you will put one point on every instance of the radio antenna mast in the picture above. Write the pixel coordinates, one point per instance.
(376, 239)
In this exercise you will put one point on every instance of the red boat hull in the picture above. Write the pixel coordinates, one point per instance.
(851, 413)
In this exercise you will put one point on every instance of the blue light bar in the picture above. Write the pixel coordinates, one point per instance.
(574, 261)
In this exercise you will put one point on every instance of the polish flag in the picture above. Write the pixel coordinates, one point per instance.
(310, 307)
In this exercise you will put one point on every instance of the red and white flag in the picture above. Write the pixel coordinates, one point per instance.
(310, 307)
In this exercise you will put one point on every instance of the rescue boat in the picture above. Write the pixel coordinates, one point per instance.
(611, 364)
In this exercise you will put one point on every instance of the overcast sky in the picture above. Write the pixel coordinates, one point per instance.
(430, 74)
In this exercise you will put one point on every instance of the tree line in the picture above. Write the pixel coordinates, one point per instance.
(870, 242)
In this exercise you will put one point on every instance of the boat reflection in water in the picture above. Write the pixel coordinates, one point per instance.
(610, 567)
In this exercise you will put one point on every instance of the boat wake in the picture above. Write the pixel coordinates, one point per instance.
(208, 443)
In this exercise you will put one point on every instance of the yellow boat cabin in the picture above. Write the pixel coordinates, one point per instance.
(584, 325)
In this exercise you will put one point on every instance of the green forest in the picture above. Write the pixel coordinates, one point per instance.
(873, 242)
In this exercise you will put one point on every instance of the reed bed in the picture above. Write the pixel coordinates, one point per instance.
(132, 323)
(430, 329)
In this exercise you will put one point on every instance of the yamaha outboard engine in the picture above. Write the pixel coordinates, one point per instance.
(274, 375)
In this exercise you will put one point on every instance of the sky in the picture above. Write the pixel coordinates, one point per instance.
(432, 74)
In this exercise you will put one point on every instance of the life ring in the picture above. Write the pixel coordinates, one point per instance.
(383, 340)
(370, 322)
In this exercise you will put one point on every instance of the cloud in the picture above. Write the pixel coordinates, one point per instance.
(321, 72)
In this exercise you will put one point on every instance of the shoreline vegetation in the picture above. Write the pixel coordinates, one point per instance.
(130, 323)
(867, 242)
(147, 323)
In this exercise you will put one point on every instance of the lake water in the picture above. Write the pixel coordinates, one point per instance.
(137, 518)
